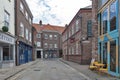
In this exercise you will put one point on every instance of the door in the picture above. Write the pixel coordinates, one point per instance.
(38, 54)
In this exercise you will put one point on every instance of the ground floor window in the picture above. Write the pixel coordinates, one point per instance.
(113, 55)
(8, 53)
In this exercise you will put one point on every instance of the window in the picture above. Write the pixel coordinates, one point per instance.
(21, 7)
(27, 34)
(6, 19)
(105, 20)
(38, 35)
(77, 47)
(30, 20)
(38, 44)
(51, 46)
(55, 36)
(50, 36)
(45, 45)
(72, 50)
(99, 23)
(77, 26)
(26, 15)
(72, 30)
(113, 16)
(21, 30)
(113, 55)
(46, 36)
(30, 36)
(55, 46)
(89, 28)
(69, 50)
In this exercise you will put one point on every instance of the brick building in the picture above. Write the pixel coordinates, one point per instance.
(77, 37)
(23, 32)
(48, 40)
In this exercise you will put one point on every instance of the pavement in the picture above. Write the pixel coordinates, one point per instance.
(84, 69)
(9, 72)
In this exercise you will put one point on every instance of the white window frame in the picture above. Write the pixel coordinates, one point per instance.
(21, 29)
(50, 36)
(6, 18)
(45, 36)
(77, 26)
(21, 7)
(55, 46)
(30, 37)
(38, 44)
(45, 45)
(26, 34)
(55, 36)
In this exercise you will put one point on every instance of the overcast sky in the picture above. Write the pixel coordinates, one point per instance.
(56, 12)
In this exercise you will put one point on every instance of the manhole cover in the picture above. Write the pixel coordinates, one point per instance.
(36, 69)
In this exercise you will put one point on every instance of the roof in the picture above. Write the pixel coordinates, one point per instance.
(48, 27)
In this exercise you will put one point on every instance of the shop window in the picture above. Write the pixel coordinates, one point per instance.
(7, 53)
(105, 54)
(113, 16)
(105, 20)
(100, 54)
(113, 55)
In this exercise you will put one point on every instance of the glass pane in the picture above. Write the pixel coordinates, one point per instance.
(105, 54)
(104, 20)
(113, 56)
(113, 16)
(100, 55)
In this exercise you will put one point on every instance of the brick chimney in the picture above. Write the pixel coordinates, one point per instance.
(40, 22)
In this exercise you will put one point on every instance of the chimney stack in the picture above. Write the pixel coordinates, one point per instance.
(40, 23)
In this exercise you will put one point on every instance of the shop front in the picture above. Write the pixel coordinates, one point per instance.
(108, 40)
(25, 53)
(7, 50)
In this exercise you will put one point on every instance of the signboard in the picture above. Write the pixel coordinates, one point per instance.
(6, 38)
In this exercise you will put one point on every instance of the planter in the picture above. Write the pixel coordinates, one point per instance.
(5, 29)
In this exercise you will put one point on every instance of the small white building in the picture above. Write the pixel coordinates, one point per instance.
(7, 39)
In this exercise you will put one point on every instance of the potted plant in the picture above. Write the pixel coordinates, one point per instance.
(5, 29)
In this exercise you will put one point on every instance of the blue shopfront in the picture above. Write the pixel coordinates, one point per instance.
(109, 37)
(25, 53)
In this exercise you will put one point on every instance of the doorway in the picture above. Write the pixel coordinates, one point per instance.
(38, 54)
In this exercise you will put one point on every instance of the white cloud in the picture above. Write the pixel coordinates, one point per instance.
(56, 12)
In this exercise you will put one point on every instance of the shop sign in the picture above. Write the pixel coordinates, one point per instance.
(6, 39)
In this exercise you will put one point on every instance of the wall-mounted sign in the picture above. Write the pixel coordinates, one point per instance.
(6, 38)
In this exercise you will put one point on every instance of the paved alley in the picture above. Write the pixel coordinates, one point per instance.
(50, 70)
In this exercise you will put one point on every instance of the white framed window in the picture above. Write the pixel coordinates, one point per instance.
(77, 47)
(26, 33)
(38, 35)
(30, 20)
(77, 26)
(21, 29)
(55, 36)
(72, 50)
(50, 36)
(21, 7)
(45, 36)
(6, 19)
(45, 45)
(26, 15)
(38, 44)
(72, 30)
(30, 37)
(55, 46)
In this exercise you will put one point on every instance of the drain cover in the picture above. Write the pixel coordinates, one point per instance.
(36, 69)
